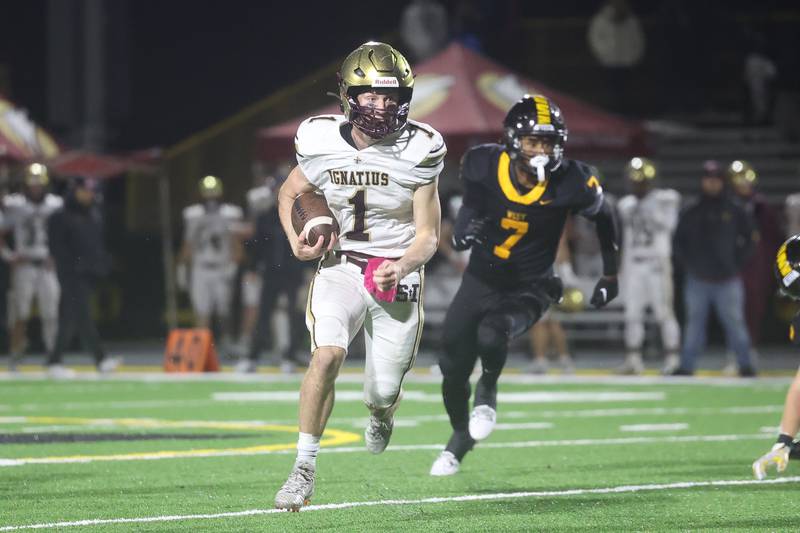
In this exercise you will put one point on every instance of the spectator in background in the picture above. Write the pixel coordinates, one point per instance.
(468, 25)
(75, 234)
(617, 41)
(759, 75)
(757, 274)
(423, 28)
(713, 240)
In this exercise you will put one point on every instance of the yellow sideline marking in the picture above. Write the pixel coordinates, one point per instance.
(331, 437)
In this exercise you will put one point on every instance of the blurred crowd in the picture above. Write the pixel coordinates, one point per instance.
(712, 250)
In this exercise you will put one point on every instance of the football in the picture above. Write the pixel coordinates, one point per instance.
(310, 212)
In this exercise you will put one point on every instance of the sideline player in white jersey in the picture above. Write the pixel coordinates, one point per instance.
(378, 172)
(32, 272)
(648, 216)
(212, 247)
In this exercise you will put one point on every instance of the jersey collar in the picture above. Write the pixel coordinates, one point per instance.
(508, 188)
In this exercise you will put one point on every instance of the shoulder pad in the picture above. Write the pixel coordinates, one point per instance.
(626, 201)
(54, 201)
(434, 144)
(793, 199)
(231, 211)
(314, 131)
(15, 200)
(193, 211)
(476, 161)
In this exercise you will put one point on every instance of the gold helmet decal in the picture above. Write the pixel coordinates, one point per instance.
(36, 174)
(742, 173)
(379, 67)
(640, 170)
(210, 188)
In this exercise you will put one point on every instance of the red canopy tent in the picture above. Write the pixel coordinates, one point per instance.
(20, 138)
(466, 96)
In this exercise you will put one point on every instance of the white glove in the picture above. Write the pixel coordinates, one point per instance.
(779, 455)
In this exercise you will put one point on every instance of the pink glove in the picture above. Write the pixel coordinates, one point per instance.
(369, 281)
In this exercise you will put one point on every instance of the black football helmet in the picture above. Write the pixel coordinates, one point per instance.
(787, 267)
(536, 115)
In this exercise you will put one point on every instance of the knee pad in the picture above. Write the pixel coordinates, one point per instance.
(493, 333)
(382, 394)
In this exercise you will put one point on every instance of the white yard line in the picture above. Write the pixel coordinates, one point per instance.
(621, 489)
(393, 448)
(680, 426)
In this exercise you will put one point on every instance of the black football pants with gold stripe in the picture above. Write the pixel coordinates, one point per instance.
(480, 322)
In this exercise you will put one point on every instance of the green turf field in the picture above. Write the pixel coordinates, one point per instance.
(601, 455)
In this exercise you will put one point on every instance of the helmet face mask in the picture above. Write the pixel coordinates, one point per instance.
(535, 116)
(787, 267)
(375, 67)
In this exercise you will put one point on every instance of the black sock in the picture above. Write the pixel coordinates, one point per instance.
(459, 444)
(455, 393)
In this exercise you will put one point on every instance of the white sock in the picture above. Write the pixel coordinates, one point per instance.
(307, 449)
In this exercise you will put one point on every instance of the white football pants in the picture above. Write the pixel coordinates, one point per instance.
(649, 283)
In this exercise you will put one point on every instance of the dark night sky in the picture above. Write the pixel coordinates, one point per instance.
(182, 65)
(193, 63)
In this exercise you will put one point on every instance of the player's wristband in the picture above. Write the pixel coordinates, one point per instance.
(785, 439)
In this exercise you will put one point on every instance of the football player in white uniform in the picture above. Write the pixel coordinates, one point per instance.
(648, 216)
(32, 272)
(211, 245)
(378, 171)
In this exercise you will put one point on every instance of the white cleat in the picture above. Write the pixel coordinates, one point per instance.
(378, 433)
(246, 366)
(109, 364)
(481, 422)
(59, 371)
(445, 465)
(779, 456)
(298, 489)
(671, 363)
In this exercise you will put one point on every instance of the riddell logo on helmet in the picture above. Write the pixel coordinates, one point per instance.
(386, 81)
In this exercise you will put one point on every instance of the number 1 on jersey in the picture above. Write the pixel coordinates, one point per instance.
(520, 229)
(359, 203)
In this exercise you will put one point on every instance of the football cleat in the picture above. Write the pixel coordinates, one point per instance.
(632, 366)
(671, 362)
(109, 364)
(481, 422)
(566, 364)
(779, 456)
(59, 371)
(298, 489)
(445, 465)
(378, 433)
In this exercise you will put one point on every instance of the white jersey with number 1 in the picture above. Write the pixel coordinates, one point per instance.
(370, 191)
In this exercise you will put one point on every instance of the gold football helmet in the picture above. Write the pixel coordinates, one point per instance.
(375, 66)
(742, 173)
(210, 188)
(640, 169)
(572, 300)
(36, 174)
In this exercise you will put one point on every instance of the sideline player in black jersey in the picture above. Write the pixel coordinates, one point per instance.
(517, 197)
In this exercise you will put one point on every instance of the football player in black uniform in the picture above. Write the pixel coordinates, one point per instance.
(787, 270)
(517, 197)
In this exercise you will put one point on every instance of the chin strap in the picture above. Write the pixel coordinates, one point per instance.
(538, 163)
